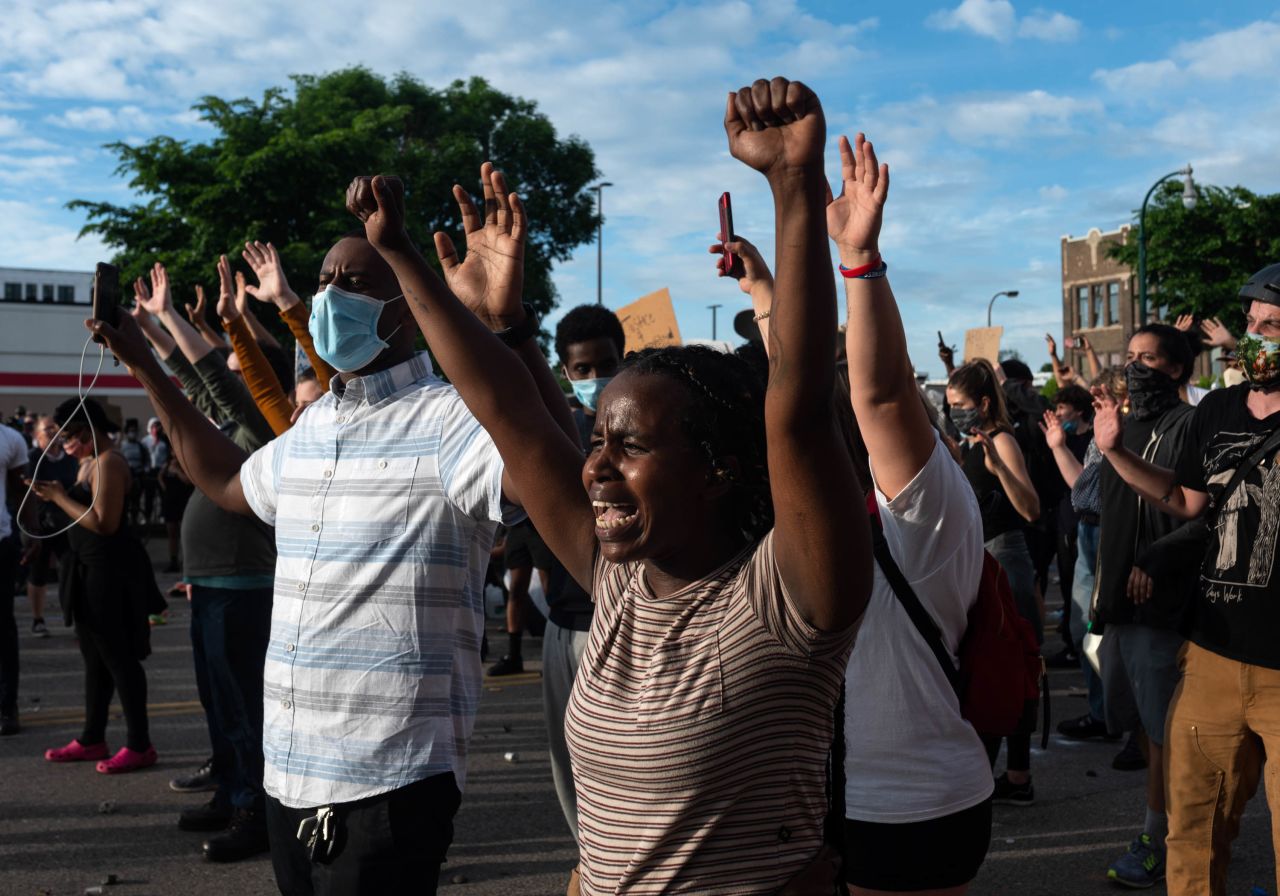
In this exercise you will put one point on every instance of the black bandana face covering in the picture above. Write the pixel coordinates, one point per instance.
(1151, 391)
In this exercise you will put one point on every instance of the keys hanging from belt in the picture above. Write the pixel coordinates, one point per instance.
(319, 834)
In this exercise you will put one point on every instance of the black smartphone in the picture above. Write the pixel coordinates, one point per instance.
(106, 295)
(942, 343)
(726, 229)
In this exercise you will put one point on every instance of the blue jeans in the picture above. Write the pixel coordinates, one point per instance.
(1081, 599)
(230, 629)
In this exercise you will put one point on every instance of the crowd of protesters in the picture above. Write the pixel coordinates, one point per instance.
(765, 571)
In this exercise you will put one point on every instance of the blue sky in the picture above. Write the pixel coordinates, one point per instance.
(1006, 124)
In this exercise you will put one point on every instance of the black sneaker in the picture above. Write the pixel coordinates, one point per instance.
(9, 725)
(212, 816)
(1009, 794)
(508, 665)
(1130, 759)
(245, 838)
(198, 781)
(1083, 728)
(39, 629)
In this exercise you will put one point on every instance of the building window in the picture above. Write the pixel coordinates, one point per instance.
(1082, 306)
(66, 294)
(1098, 313)
(46, 292)
(1113, 302)
(31, 292)
(13, 292)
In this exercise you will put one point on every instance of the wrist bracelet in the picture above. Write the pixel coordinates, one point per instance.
(521, 332)
(762, 315)
(861, 270)
(866, 272)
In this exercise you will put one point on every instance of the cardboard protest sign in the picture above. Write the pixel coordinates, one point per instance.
(983, 342)
(650, 322)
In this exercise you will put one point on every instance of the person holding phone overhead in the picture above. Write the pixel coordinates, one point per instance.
(106, 587)
(726, 603)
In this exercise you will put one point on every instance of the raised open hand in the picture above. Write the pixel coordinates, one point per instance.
(1216, 334)
(1054, 435)
(776, 125)
(195, 313)
(1108, 425)
(990, 456)
(490, 281)
(1185, 322)
(378, 202)
(854, 219)
(750, 271)
(273, 286)
(155, 299)
(228, 308)
(1052, 344)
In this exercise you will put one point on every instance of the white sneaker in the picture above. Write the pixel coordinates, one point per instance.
(39, 629)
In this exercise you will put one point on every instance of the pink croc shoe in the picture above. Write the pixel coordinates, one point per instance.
(127, 760)
(76, 752)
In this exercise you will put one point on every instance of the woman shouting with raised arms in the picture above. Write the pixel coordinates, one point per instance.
(729, 578)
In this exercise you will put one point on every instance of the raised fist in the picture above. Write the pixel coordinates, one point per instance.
(378, 202)
(776, 125)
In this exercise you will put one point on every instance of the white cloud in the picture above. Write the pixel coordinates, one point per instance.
(1244, 52)
(103, 118)
(1055, 193)
(995, 19)
(998, 20)
(31, 239)
(1049, 26)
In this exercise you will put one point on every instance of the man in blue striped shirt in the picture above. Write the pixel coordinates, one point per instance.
(385, 497)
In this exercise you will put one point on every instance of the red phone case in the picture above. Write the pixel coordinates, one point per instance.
(726, 229)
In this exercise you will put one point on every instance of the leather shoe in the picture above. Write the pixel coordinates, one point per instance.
(212, 816)
(245, 837)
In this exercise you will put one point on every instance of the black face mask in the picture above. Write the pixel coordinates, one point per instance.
(1151, 391)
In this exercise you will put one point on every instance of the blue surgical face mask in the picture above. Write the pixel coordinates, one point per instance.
(344, 327)
(588, 391)
(1070, 426)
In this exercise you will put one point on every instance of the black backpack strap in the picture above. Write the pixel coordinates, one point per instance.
(920, 617)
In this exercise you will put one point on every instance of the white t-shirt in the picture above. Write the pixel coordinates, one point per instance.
(909, 756)
(13, 456)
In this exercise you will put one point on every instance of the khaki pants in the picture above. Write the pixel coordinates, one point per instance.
(1224, 719)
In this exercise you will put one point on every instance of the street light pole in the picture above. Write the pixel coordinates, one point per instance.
(1011, 293)
(599, 188)
(713, 319)
(1188, 202)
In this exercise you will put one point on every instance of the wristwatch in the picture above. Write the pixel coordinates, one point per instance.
(516, 336)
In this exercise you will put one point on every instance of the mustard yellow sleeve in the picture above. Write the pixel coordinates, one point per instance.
(260, 379)
(296, 317)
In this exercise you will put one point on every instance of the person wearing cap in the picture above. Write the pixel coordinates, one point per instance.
(1224, 719)
(106, 587)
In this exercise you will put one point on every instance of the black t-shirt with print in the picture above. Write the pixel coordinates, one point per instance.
(1237, 613)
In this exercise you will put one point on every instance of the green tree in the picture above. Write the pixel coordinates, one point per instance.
(1197, 259)
(278, 170)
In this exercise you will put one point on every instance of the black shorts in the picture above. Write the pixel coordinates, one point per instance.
(525, 548)
(921, 855)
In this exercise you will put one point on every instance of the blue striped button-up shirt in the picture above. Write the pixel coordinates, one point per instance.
(386, 496)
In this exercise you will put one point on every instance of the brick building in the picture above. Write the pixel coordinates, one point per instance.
(1100, 300)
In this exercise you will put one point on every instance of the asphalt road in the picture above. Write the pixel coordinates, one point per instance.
(63, 828)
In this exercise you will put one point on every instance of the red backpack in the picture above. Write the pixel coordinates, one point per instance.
(1001, 671)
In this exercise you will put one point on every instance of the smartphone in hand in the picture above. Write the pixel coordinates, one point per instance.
(106, 295)
(726, 230)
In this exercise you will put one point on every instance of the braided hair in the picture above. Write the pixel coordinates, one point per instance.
(724, 418)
